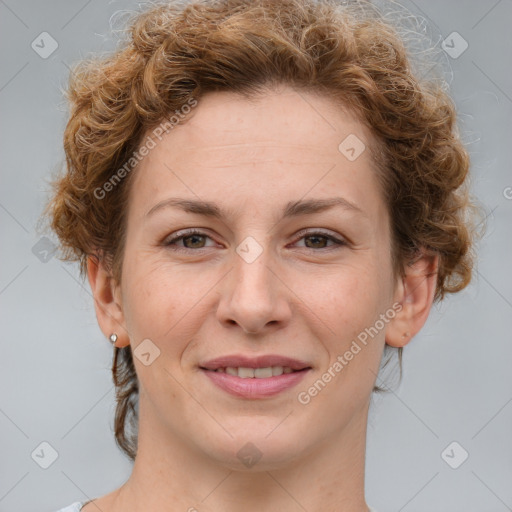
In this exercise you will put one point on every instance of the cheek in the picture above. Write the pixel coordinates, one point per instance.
(158, 297)
(346, 297)
(338, 300)
(147, 297)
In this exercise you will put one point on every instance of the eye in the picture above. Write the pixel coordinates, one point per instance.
(191, 238)
(195, 239)
(319, 240)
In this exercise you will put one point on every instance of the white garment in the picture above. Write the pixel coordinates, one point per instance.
(74, 507)
(77, 507)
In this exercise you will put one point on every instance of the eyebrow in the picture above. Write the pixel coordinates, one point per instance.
(292, 208)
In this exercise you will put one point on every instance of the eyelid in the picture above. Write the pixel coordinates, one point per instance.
(183, 233)
(337, 240)
(319, 231)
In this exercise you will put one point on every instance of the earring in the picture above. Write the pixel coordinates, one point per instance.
(113, 337)
(405, 335)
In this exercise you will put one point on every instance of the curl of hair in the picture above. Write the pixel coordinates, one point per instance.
(181, 50)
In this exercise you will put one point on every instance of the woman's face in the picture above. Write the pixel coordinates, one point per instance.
(255, 281)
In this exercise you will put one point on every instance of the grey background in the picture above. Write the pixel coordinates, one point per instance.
(55, 383)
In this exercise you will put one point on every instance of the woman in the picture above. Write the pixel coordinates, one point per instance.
(264, 198)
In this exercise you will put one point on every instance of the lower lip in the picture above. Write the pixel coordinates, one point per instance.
(253, 387)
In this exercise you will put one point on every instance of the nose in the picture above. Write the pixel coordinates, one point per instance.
(253, 297)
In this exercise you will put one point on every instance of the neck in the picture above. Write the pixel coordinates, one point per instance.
(170, 474)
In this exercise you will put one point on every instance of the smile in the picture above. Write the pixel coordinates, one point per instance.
(257, 373)
(255, 383)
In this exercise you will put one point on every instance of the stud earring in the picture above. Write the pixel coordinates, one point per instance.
(113, 337)
(405, 335)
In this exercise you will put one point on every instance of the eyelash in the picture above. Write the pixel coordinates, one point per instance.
(191, 232)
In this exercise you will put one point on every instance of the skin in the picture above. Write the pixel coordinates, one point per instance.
(302, 297)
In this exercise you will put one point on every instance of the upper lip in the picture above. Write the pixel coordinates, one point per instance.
(264, 361)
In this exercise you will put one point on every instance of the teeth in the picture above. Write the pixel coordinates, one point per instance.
(277, 370)
(245, 373)
(263, 373)
(258, 373)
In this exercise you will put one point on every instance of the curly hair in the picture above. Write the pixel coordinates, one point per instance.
(181, 50)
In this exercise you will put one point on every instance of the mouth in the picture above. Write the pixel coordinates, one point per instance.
(251, 377)
(255, 373)
(255, 383)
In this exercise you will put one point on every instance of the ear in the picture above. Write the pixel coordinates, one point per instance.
(107, 301)
(415, 292)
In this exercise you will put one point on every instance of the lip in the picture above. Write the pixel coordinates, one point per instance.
(263, 361)
(253, 388)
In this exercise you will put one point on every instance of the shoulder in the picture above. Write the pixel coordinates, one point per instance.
(74, 507)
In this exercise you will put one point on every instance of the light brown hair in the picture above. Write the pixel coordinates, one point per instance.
(177, 51)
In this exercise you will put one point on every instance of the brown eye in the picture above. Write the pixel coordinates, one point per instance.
(195, 241)
(191, 240)
(319, 240)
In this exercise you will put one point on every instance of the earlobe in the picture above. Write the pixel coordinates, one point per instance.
(415, 291)
(107, 304)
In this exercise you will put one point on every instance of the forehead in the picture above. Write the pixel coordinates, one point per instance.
(286, 118)
(284, 143)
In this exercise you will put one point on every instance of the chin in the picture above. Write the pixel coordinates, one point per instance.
(253, 450)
